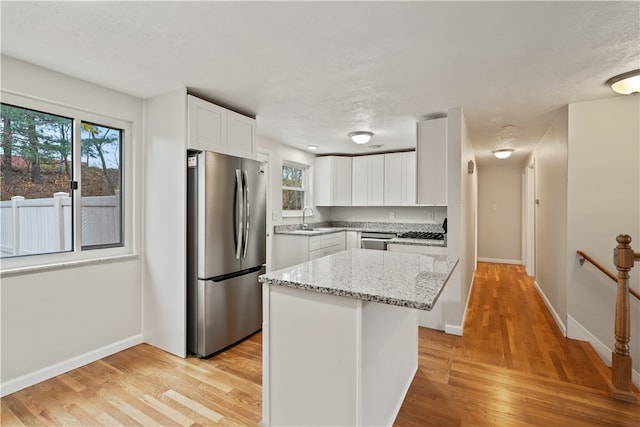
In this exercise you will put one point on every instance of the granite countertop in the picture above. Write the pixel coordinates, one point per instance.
(319, 229)
(406, 280)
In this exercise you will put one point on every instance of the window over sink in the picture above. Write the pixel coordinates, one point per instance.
(294, 187)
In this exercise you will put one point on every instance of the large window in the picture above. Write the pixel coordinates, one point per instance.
(293, 187)
(61, 183)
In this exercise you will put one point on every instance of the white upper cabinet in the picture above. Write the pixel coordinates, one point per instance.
(409, 178)
(207, 125)
(400, 179)
(241, 135)
(214, 128)
(333, 181)
(368, 180)
(432, 162)
(393, 179)
(376, 180)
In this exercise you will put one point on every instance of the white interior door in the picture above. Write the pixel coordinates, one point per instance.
(530, 195)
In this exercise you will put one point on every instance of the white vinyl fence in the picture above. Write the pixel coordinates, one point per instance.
(36, 226)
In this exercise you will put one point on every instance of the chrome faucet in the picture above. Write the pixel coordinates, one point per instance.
(304, 223)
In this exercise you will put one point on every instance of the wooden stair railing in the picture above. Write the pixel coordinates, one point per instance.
(584, 257)
(621, 366)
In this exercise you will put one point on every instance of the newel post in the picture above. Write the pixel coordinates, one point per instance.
(623, 258)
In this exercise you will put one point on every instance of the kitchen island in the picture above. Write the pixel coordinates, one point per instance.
(340, 335)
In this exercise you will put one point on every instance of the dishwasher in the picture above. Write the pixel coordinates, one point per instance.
(374, 240)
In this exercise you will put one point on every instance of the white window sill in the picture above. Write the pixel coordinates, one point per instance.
(295, 214)
(24, 270)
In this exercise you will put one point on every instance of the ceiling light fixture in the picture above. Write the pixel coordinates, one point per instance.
(312, 147)
(503, 153)
(626, 83)
(361, 136)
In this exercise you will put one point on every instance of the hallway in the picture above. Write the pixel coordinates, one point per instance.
(511, 367)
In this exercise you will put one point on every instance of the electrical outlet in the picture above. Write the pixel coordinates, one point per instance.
(392, 215)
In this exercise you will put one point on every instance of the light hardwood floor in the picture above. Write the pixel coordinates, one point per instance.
(512, 367)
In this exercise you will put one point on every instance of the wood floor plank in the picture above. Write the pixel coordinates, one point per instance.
(193, 405)
(512, 367)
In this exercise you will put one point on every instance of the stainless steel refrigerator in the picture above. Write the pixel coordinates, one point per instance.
(226, 249)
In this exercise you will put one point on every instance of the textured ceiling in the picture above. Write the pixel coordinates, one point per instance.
(314, 71)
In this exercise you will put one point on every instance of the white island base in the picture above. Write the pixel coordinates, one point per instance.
(331, 360)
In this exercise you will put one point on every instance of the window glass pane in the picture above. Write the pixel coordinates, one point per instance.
(36, 208)
(292, 200)
(101, 167)
(292, 176)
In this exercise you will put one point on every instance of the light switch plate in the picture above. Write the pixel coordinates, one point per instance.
(392, 215)
(276, 216)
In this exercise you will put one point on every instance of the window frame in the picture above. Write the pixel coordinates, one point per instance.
(29, 263)
(305, 188)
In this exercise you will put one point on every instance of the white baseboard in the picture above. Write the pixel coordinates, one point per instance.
(453, 329)
(501, 261)
(553, 311)
(43, 374)
(458, 329)
(578, 332)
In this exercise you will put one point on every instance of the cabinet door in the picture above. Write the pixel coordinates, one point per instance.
(360, 182)
(393, 179)
(322, 182)
(432, 162)
(352, 239)
(341, 186)
(409, 178)
(207, 125)
(376, 180)
(241, 135)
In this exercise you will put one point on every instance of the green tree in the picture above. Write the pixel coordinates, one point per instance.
(94, 143)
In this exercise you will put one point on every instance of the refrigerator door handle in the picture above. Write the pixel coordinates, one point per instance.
(239, 216)
(246, 212)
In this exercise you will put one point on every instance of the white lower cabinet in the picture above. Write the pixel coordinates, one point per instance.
(352, 239)
(434, 319)
(290, 249)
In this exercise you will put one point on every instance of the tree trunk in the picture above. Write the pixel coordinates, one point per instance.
(7, 149)
(104, 168)
(34, 148)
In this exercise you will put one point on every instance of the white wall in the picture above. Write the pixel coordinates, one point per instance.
(603, 201)
(58, 319)
(499, 213)
(462, 190)
(550, 164)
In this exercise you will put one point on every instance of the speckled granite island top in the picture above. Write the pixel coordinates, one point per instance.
(406, 280)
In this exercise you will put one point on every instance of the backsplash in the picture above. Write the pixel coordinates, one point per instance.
(368, 225)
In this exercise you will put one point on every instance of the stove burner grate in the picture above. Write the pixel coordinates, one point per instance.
(422, 235)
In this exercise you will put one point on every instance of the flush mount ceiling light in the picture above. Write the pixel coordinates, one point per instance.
(626, 83)
(312, 147)
(503, 153)
(361, 136)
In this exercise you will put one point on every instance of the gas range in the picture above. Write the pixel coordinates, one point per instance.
(426, 235)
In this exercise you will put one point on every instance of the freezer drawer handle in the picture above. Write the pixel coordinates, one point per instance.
(246, 212)
(239, 216)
